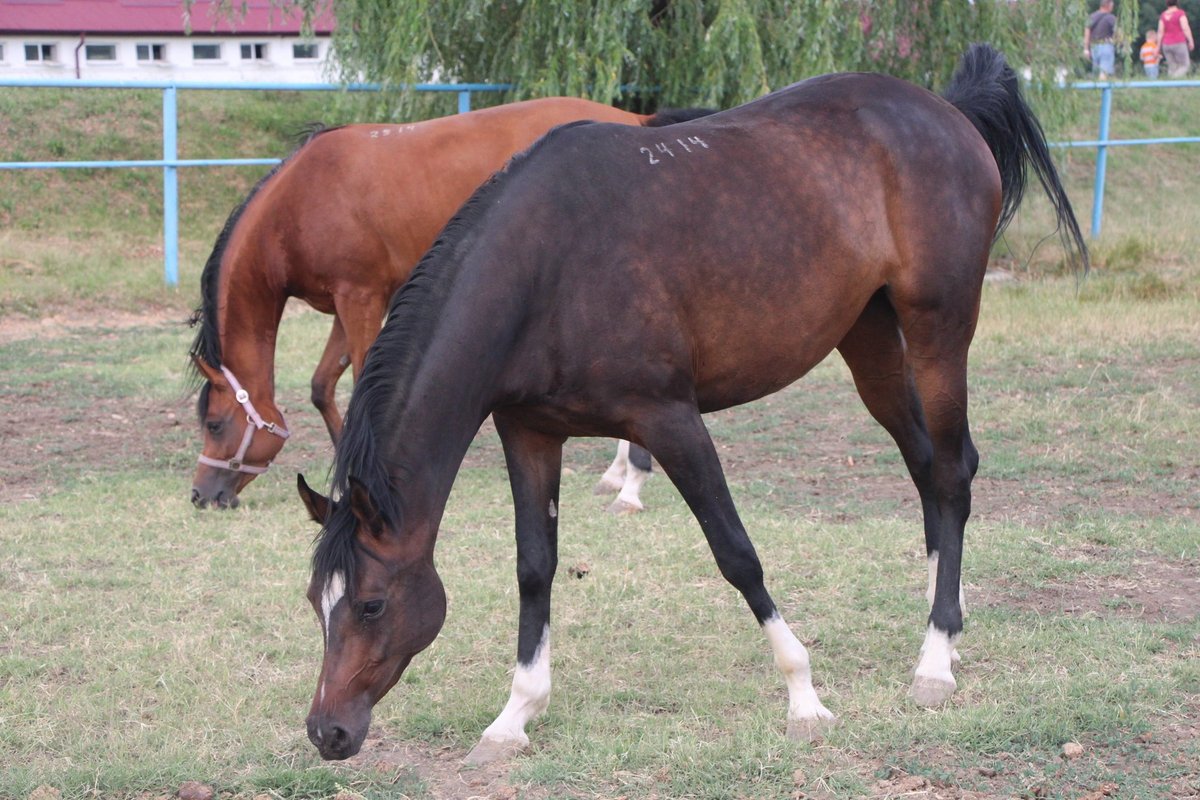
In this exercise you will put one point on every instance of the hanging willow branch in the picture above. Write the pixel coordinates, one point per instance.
(689, 52)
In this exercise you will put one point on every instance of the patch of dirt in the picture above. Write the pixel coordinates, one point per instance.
(18, 327)
(1154, 590)
(442, 772)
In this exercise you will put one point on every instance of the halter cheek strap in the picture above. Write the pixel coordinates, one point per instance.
(256, 423)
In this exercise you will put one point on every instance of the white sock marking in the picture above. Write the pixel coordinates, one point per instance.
(929, 592)
(631, 489)
(553, 511)
(614, 476)
(937, 654)
(530, 696)
(792, 659)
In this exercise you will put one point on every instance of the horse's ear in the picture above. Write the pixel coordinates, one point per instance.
(316, 503)
(364, 508)
(213, 376)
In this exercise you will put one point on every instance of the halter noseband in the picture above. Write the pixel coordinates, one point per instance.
(256, 423)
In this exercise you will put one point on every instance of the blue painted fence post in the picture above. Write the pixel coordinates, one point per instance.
(170, 188)
(1101, 160)
(464, 102)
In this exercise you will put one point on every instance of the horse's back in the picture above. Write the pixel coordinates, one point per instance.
(357, 205)
(744, 245)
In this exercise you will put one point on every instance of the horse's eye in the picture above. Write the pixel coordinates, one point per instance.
(214, 428)
(371, 609)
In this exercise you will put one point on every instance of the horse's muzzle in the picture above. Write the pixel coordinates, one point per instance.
(222, 499)
(333, 741)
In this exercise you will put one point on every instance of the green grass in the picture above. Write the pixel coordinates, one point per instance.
(143, 643)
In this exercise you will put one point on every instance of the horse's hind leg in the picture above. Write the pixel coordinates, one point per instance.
(626, 475)
(333, 363)
(937, 318)
(534, 466)
(614, 477)
(874, 352)
(678, 439)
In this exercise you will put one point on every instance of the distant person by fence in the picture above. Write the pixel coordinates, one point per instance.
(1098, 40)
(1175, 39)
(1150, 55)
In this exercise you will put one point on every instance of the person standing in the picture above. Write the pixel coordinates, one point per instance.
(1150, 55)
(1098, 39)
(1175, 39)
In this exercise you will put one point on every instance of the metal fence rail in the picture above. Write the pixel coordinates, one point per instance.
(1102, 141)
(170, 161)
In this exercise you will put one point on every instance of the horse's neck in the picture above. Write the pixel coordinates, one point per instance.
(249, 323)
(449, 396)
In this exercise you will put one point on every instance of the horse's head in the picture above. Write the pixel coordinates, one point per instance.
(240, 437)
(380, 602)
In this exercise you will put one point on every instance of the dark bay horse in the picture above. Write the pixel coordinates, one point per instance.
(850, 211)
(340, 224)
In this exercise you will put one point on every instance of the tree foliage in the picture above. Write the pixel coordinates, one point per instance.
(689, 52)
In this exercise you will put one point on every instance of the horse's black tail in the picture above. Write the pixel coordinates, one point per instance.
(669, 116)
(985, 89)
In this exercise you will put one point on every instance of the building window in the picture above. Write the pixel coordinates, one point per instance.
(254, 51)
(100, 52)
(307, 51)
(151, 52)
(206, 52)
(40, 52)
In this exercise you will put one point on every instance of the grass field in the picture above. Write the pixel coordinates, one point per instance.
(144, 644)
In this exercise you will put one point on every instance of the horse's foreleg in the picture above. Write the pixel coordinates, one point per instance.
(680, 442)
(534, 465)
(333, 363)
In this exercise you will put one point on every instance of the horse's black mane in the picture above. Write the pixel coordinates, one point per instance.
(207, 343)
(387, 374)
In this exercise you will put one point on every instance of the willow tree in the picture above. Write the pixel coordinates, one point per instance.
(687, 52)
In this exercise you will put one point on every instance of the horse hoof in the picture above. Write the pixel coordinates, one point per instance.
(930, 692)
(621, 508)
(810, 729)
(491, 751)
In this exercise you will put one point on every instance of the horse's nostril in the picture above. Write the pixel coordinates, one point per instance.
(338, 738)
(197, 500)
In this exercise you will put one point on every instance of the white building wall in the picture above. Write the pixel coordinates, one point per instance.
(179, 63)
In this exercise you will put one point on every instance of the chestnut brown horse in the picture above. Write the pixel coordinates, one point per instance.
(340, 224)
(850, 211)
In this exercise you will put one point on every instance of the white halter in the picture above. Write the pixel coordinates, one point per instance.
(255, 423)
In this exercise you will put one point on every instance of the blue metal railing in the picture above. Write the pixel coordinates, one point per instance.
(1102, 142)
(170, 161)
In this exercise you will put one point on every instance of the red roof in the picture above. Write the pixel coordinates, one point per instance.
(152, 17)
